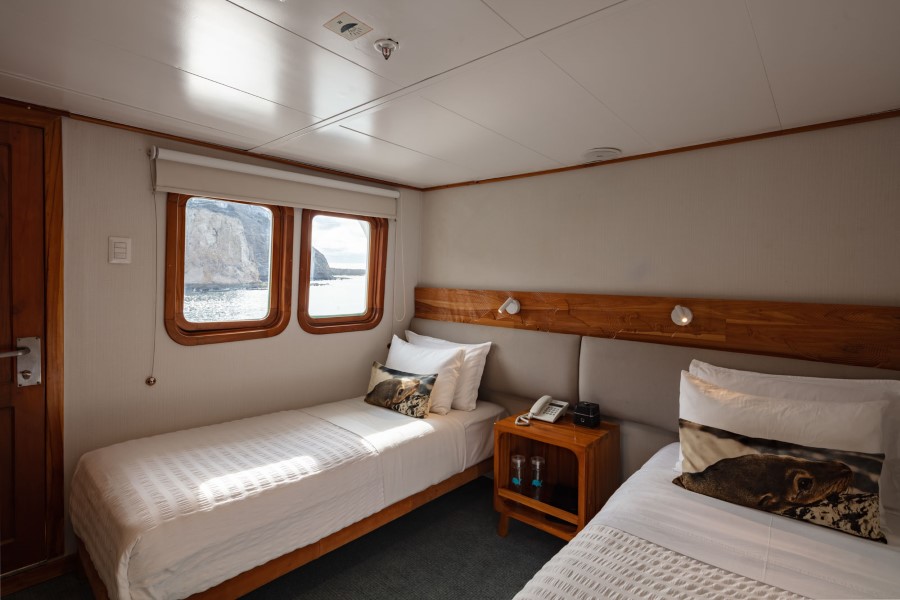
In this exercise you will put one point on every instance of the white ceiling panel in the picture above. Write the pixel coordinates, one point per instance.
(224, 43)
(678, 72)
(434, 35)
(572, 120)
(336, 147)
(418, 124)
(829, 59)
(531, 17)
(84, 65)
(91, 106)
(478, 89)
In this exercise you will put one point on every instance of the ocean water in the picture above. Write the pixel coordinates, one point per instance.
(345, 296)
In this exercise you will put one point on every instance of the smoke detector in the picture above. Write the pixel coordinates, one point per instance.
(387, 46)
(601, 154)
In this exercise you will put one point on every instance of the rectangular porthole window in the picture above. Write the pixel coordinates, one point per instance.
(227, 269)
(342, 270)
(227, 259)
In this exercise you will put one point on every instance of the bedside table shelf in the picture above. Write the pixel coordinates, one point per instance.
(581, 461)
(542, 507)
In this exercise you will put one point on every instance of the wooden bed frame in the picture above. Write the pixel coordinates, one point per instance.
(258, 576)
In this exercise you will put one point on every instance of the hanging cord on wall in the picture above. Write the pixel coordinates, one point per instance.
(151, 379)
(398, 249)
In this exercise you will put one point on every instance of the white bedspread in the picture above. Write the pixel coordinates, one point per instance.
(174, 514)
(791, 555)
(603, 562)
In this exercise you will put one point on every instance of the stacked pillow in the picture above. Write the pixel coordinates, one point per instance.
(428, 374)
(474, 360)
(445, 362)
(803, 447)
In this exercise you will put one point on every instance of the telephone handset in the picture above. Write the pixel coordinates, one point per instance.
(545, 409)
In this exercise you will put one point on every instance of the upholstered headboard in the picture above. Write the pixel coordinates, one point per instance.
(635, 383)
(521, 366)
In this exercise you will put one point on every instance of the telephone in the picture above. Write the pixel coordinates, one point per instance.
(545, 409)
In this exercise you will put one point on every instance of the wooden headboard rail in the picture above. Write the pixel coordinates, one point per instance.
(838, 333)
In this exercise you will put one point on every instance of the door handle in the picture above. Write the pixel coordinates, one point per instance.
(28, 361)
(15, 353)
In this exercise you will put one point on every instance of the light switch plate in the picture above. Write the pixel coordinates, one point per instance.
(120, 250)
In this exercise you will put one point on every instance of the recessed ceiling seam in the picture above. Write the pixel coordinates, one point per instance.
(499, 16)
(602, 103)
(118, 103)
(498, 54)
(375, 137)
(486, 128)
(762, 61)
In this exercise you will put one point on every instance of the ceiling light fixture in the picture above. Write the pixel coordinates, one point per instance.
(601, 154)
(387, 46)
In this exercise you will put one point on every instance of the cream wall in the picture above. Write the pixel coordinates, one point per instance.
(807, 217)
(113, 313)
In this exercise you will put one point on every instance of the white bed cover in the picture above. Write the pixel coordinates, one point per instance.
(799, 557)
(174, 514)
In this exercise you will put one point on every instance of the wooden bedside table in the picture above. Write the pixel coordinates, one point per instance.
(581, 472)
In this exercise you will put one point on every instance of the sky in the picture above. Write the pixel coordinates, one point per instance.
(344, 242)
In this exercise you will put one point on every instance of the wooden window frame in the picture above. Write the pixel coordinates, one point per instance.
(378, 242)
(188, 333)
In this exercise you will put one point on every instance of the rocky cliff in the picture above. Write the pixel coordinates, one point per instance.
(227, 246)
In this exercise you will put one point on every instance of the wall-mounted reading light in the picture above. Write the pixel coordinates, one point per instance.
(682, 315)
(511, 306)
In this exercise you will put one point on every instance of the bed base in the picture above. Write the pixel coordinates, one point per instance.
(258, 576)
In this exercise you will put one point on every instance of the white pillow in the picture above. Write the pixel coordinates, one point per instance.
(472, 369)
(806, 412)
(446, 362)
(802, 388)
(849, 426)
(818, 389)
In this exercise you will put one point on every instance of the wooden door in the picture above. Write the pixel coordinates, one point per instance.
(23, 441)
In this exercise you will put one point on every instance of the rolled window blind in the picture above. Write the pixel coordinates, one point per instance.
(197, 175)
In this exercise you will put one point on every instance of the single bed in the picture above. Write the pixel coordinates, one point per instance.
(656, 540)
(781, 486)
(175, 514)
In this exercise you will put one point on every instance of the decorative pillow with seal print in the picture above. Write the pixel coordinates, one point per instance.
(406, 393)
(831, 488)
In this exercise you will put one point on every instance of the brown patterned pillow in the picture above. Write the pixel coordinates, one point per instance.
(406, 393)
(831, 488)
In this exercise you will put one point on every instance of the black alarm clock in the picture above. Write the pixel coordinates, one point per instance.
(587, 414)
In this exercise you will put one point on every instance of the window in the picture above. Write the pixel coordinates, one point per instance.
(228, 268)
(342, 267)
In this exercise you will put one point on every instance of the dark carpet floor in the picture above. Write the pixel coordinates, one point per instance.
(447, 549)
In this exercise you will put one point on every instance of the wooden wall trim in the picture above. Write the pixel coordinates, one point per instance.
(202, 144)
(837, 333)
(890, 114)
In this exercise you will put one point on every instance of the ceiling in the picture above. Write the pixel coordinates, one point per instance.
(478, 88)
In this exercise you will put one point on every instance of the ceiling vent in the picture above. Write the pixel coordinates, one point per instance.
(601, 154)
